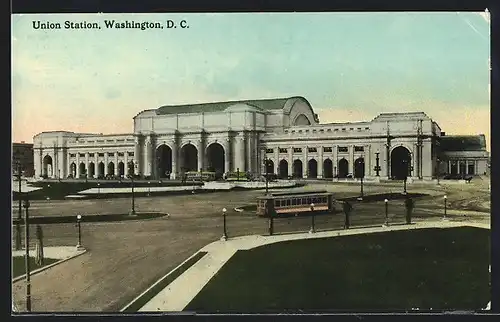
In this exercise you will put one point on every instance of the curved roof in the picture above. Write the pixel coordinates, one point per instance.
(262, 104)
(463, 143)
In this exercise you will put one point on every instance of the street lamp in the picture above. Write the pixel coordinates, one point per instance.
(79, 245)
(377, 164)
(132, 212)
(445, 206)
(224, 236)
(149, 188)
(361, 174)
(27, 255)
(19, 215)
(271, 219)
(313, 228)
(438, 160)
(267, 176)
(386, 212)
(59, 175)
(98, 189)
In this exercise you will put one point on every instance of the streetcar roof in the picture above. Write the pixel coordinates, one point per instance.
(300, 193)
(295, 195)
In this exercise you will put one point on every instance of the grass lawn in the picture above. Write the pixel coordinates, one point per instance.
(428, 268)
(18, 265)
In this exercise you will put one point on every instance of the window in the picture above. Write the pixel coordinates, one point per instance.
(100, 154)
(276, 203)
(350, 129)
(294, 202)
(283, 150)
(120, 154)
(297, 150)
(328, 130)
(269, 150)
(359, 148)
(130, 154)
(359, 129)
(335, 130)
(343, 129)
(91, 154)
(82, 155)
(342, 149)
(367, 128)
(72, 155)
(312, 150)
(327, 149)
(111, 154)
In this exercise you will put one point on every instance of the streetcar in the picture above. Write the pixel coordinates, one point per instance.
(237, 176)
(198, 176)
(295, 203)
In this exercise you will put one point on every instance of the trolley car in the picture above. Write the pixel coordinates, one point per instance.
(205, 176)
(295, 203)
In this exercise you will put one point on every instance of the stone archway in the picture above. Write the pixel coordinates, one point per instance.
(297, 169)
(164, 157)
(400, 163)
(328, 169)
(343, 168)
(47, 166)
(216, 158)
(130, 168)
(359, 168)
(121, 168)
(283, 169)
(72, 169)
(111, 169)
(81, 169)
(91, 169)
(189, 158)
(312, 169)
(100, 169)
(269, 169)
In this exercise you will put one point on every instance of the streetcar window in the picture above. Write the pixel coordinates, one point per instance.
(276, 203)
(288, 202)
(294, 202)
(308, 201)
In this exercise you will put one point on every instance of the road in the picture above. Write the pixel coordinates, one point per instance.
(124, 258)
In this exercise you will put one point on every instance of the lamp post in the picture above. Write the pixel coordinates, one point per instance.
(79, 245)
(313, 228)
(27, 255)
(149, 188)
(377, 164)
(386, 213)
(98, 189)
(271, 219)
(267, 177)
(438, 161)
(19, 214)
(224, 235)
(445, 206)
(132, 211)
(59, 175)
(361, 175)
(237, 174)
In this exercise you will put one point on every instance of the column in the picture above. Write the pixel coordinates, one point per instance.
(351, 159)
(305, 164)
(78, 165)
(41, 161)
(227, 164)
(335, 160)
(137, 154)
(106, 160)
(174, 159)
(276, 160)
(388, 161)
(458, 166)
(145, 147)
(320, 162)
(249, 154)
(258, 160)
(125, 160)
(368, 159)
(240, 153)
(201, 154)
(68, 164)
(466, 166)
(449, 166)
(290, 161)
(96, 164)
(86, 164)
(116, 164)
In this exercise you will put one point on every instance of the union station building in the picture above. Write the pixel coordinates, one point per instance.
(244, 136)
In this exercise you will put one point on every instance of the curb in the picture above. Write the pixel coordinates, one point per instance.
(160, 280)
(41, 269)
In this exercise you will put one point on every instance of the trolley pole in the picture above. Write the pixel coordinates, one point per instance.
(132, 212)
(27, 255)
(271, 219)
(20, 210)
(224, 235)
(386, 213)
(445, 206)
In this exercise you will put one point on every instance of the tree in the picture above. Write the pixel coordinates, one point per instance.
(39, 246)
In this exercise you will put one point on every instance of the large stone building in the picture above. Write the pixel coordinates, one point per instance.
(240, 135)
(22, 155)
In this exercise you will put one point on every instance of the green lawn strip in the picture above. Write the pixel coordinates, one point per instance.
(19, 268)
(146, 297)
(428, 268)
(89, 218)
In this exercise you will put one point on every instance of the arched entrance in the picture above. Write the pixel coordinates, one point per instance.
(400, 163)
(72, 169)
(91, 169)
(100, 169)
(47, 166)
(189, 157)
(283, 169)
(343, 168)
(297, 169)
(328, 168)
(81, 169)
(121, 168)
(359, 168)
(462, 167)
(269, 167)
(216, 159)
(312, 169)
(111, 169)
(130, 168)
(164, 157)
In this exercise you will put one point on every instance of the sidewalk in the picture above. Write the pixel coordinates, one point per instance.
(177, 295)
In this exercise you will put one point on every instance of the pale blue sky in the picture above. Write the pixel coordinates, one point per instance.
(350, 66)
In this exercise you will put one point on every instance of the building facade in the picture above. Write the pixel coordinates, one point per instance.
(243, 136)
(22, 155)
